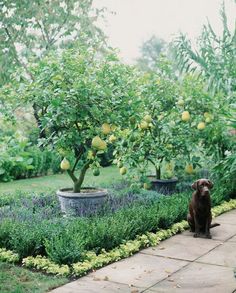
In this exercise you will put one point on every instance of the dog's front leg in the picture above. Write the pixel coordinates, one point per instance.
(207, 228)
(197, 227)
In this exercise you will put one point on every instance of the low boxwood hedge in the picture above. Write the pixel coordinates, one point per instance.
(35, 226)
(94, 261)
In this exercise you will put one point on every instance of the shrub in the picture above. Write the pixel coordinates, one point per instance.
(65, 248)
(34, 226)
(19, 159)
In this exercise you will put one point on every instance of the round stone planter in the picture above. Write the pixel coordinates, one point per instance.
(164, 186)
(85, 203)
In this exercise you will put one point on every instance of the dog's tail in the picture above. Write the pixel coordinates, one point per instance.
(214, 225)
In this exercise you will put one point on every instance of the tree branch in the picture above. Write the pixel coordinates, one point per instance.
(21, 63)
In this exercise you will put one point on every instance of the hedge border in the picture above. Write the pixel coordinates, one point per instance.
(94, 261)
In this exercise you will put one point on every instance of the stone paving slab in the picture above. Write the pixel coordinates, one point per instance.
(233, 239)
(229, 218)
(183, 247)
(96, 285)
(224, 255)
(140, 270)
(198, 278)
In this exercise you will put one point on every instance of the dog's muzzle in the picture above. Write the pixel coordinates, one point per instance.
(205, 191)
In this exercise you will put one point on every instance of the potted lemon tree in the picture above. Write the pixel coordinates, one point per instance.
(82, 99)
(156, 139)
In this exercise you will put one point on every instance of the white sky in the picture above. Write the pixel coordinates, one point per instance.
(137, 20)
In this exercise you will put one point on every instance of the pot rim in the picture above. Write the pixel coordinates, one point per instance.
(67, 193)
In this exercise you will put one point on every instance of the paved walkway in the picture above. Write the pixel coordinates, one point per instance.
(179, 264)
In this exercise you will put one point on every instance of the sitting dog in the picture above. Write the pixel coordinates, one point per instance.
(199, 217)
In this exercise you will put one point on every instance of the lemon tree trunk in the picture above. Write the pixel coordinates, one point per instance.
(158, 172)
(78, 181)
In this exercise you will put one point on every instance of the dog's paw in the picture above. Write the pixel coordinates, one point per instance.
(196, 235)
(208, 236)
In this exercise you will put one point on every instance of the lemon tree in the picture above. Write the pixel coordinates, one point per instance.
(200, 111)
(156, 136)
(84, 98)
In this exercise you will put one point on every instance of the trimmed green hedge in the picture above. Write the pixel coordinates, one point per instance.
(93, 261)
(30, 231)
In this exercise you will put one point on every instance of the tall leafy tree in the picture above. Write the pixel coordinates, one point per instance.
(29, 29)
(151, 51)
(214, 57)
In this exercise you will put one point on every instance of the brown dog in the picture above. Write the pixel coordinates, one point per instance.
(199, 217)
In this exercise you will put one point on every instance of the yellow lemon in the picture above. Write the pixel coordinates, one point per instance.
(65, 164)
(189, 169)
(206, 114)
(119, 164)
(113, 127)
(123, 171)
(90, 155)
(185, 116)
(180, 102)
(148, 118)
(201, 125)
(106, 128)
(143, 125)
(99, 144)
(112, 138)
(96, 172)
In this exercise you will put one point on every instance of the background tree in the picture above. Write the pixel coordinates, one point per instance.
(29, 30)
(214, 57)
(150, 53)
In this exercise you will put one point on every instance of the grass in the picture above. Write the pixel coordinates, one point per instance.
(14, 279)
(108, 176)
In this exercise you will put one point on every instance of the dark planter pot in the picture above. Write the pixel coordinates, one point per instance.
(85, 203)
(164, 186)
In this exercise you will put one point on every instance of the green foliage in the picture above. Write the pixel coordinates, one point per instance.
(19, 159)
(28, 32)
(45, 265)
(225, 168)
(152, 134)
(66, 240)
(214, 58)
(78, 93)
(205, 107)
(64, 248)
(8, 256)
(94, 261)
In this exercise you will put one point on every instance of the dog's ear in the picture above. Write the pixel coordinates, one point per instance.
(210, 184)
(194, 185)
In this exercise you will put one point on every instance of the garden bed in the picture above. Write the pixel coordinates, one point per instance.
(33, 225)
